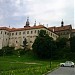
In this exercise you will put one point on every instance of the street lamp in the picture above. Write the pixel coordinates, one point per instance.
(3, 53)
(50, 56)
(18, 53)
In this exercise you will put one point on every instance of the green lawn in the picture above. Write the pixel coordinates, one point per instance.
(24, 65)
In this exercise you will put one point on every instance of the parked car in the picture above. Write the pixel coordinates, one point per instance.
(67, 63)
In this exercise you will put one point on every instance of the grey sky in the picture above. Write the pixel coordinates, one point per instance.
(51, 12)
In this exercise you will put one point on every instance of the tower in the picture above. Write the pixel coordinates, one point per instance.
(27, 22)
(62, 23)
(35, 23)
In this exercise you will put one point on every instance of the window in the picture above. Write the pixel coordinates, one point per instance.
(30, 36)
(51, 34)
(19, 33)
(47, 32)
(35, 31)
(31, 42)
(23, 32)
(27, 32)
(67, 32)
(1, 32)
(31, 32)
(5, 32)
(15, 37)
(12, 33)
(16, 41)
(23, 37)
(38, 31)
(6, 39)
(16, 33)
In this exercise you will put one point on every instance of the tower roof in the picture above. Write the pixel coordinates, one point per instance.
(27, 23)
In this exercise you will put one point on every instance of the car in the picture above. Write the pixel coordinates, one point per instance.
(67, 63)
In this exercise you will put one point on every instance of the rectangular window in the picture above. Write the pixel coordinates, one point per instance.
(1, 32)
(35, 31)
(23, 32)
(16, 33)
(12, 33)
(19, 33)
(5, 32)
(38, 31)
(31, 42)
(27, 32)
(31, 32)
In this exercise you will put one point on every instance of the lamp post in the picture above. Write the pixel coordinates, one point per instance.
(3, 53)
(18, 53)
(51, 56)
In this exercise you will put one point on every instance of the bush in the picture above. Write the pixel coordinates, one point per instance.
(1, 52)
(7, 50)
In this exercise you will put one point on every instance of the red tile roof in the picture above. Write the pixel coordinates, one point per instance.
(20, 29)
(56, 29)
(73, 30)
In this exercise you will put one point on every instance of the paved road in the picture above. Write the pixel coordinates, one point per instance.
(63, 71)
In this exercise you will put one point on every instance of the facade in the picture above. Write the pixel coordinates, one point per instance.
(15, 36)
(63, 30)
(73, 32)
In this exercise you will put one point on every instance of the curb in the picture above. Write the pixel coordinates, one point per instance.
(51, 70)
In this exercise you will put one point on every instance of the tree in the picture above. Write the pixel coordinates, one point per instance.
(62, 47)
(43, 45)
(7, 50)
(72, 44)
(61, 42)
(72, 48)
(25, 44)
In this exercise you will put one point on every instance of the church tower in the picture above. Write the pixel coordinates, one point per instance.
(35, 23)
(62, 23)
(27, 23)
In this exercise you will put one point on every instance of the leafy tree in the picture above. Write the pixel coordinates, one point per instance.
(7, 50)
(25, 44)
(61, 42)
(1, 52)
(72, 44)
(43, 45)
(72, 48)
(62, 47)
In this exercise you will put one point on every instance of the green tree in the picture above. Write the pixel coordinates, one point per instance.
(72, 44)
(62, 47)
(72, 48)
(7, 50)
(25, 44)
(43, 45)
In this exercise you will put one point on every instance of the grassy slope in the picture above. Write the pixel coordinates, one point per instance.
(24, 65)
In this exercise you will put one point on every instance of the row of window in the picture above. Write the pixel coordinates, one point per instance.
(28, 32)
(64, 33)
(6, 33)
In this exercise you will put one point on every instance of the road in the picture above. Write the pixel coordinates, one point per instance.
(63, 71)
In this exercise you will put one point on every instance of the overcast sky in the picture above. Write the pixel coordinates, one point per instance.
(51, 12)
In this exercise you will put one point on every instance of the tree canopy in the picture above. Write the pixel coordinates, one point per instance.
(42, 45)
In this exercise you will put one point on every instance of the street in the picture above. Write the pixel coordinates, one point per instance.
(63, 71)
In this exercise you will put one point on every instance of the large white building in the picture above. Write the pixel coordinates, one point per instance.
(15, 36)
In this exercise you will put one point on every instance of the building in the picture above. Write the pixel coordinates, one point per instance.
(73, 32)
(15, 36)
(63, 30)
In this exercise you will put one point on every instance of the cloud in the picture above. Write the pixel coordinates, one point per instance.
(15, 12)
